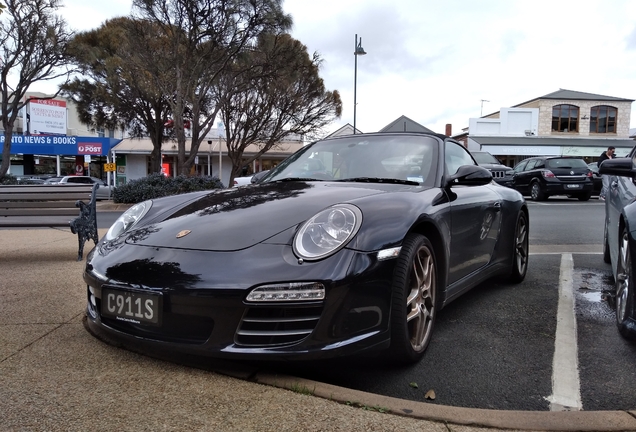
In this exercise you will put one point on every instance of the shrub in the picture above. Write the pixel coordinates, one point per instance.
(157, 185)
(8, 179)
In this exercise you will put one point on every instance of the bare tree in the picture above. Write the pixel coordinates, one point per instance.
(273, 91)
(113, 90)
(206, 36)
(33, 41)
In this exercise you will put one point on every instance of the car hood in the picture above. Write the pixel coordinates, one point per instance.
(496, 166)
(237, 218)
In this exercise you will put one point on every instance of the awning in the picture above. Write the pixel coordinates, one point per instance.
(550, 146)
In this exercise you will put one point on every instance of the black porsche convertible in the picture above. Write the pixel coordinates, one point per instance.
(351, 245)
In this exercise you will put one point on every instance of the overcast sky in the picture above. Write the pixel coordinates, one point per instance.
(440, 62)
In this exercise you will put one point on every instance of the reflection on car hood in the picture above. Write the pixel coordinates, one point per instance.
(238, 218)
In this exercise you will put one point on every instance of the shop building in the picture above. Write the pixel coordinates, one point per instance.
(562, 123)
(132, 156)
(49, 139)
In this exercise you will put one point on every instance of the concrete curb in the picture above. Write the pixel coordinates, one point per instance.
(518, 420)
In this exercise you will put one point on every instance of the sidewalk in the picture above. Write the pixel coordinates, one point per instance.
(55, 376)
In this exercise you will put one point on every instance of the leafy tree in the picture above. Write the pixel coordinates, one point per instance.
(115, 89)
(272, 91)
(205, 36)
(33, 41)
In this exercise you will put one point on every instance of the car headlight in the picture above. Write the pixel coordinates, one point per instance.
(327, 232)
(128, 219)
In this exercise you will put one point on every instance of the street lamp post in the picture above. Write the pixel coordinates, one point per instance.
(358, 51)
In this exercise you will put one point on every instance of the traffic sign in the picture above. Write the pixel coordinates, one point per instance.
(108, 167)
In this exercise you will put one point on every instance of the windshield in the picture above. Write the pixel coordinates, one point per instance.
(485, 158)
(383, 158)
(567, 163)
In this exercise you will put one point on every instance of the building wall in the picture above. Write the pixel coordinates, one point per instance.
(622, 121)
(511, 122)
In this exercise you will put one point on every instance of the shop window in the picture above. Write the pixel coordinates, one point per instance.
(565, 118)
(603, 119)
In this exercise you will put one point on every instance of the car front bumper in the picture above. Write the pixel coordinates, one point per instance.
(211, 316)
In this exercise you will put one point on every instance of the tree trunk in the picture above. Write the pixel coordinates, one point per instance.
(6, 150)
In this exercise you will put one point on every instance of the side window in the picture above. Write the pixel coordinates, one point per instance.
(531, 164)
(521, 166)
(456, 156)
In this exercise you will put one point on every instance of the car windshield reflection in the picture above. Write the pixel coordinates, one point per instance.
(406, 160)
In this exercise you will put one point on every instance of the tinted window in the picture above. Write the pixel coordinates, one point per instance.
(566, 163)
(78, 180)
(531, 164)
(521, 166)
(485, 158)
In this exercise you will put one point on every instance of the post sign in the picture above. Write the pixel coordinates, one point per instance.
(84, 148)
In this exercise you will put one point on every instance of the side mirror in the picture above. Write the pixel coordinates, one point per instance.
(623, 167)
(470, 175)
(256, 178)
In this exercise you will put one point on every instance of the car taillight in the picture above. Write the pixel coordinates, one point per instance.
(548, 174)
(589, 174)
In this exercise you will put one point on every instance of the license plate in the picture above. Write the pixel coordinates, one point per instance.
(131, 306)
(573, 186)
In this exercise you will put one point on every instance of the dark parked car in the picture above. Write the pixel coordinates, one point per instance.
(501, 173)
(359, 255)
(541, 177)
(619, 242)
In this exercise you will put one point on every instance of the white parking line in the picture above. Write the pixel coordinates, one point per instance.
(566, 387)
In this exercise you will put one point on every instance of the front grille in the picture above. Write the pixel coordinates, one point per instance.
(498, 174)
(276, 326)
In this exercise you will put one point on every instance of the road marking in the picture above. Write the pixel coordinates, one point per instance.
(586, 249)
(566, 387)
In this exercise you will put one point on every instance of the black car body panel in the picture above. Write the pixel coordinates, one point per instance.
(542, 177)
(197, 256)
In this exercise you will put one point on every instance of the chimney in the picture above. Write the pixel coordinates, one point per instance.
(449, 129)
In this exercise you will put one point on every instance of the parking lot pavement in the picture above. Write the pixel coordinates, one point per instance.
(55, 376)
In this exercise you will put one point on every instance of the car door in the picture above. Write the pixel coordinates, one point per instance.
(520, 179)
(621, 193)
(475, 219)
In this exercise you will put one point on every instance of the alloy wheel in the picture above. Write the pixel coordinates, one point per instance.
(623, 278)
(420, 302)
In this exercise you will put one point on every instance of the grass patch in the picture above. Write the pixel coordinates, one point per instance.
(376, 408)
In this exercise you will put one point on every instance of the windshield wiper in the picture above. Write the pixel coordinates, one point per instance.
(286, 179)
(379, 180)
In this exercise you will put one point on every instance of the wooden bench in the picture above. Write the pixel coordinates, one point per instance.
(55, 205)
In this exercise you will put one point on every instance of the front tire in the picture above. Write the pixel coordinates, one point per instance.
(585, 197)
(521, 248)
(414, 300)
(624, 287)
